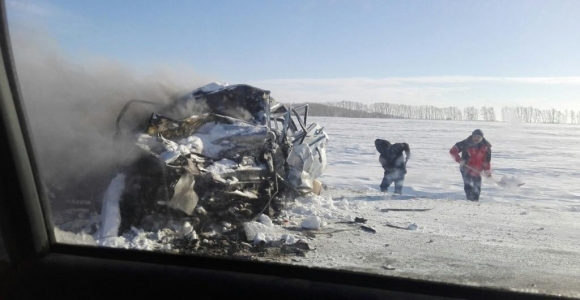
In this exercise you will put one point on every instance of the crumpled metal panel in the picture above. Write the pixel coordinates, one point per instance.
(209, 135)
(307, 159)
(232, 151)
(240, 101)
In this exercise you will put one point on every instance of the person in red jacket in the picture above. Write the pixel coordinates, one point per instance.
(474, 157)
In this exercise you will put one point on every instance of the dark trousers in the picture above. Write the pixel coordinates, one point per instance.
(471, 185)
(395, 175)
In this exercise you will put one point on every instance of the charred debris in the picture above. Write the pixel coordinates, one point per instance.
(221, 154)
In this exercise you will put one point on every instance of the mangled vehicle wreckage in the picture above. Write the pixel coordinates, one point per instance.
(231, 154)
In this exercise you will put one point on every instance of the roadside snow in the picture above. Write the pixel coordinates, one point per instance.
(522, 238)
(312, 222)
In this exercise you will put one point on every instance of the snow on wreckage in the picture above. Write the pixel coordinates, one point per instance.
(222, 154)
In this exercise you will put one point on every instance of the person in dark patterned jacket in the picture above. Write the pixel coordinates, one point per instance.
(474, 157)
(394, 163)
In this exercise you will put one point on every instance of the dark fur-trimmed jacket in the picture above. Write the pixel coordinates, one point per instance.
(477, 157)
(391, 157)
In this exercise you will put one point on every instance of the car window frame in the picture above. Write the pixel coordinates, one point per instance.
(34, 256)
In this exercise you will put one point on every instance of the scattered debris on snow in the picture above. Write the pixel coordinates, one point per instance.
(412, 226)
(510, 181)
(368, 229)
(404, 209)
(360, 220)
(389, 267)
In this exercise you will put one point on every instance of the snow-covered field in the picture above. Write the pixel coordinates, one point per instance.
(544, 156)
(525, 238)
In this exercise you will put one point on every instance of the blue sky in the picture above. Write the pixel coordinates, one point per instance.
(440, 53)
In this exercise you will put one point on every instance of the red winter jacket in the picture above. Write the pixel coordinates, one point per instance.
(477, 157)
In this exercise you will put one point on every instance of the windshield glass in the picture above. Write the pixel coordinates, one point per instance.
(429, 139)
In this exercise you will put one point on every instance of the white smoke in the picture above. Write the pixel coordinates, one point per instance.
(72, 106)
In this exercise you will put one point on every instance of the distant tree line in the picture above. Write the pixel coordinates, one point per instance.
(424, 112)
(352, 109)
(326, 110)
(534, 115)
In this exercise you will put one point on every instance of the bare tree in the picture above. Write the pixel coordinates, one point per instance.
(491, 114)
(471, 113)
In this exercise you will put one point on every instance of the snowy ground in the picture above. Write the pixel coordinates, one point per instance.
(525, 238)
